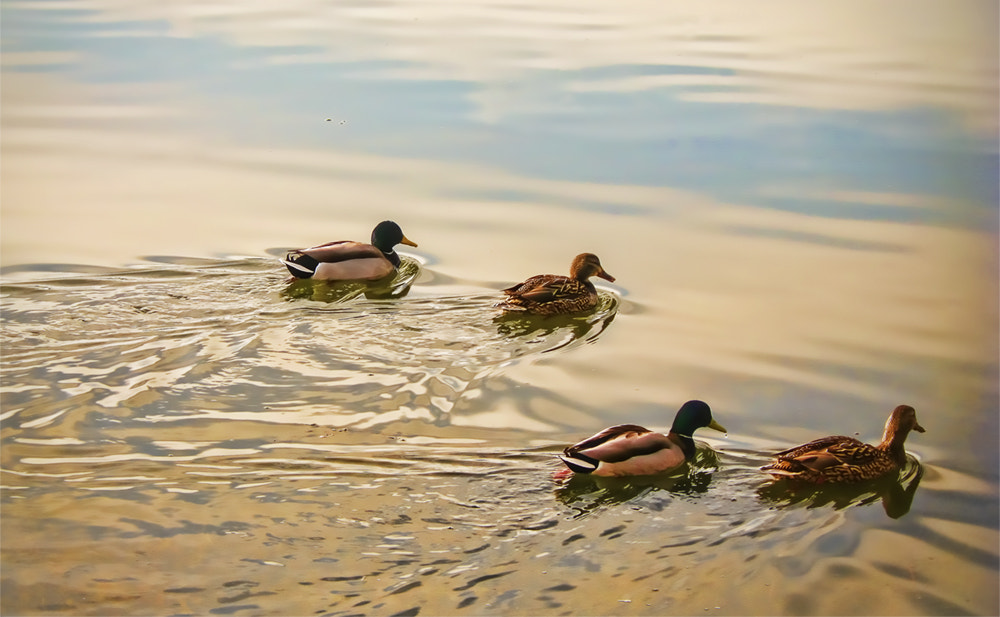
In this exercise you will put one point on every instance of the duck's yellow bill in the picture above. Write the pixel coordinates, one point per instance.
(717, 426)
(408, 242)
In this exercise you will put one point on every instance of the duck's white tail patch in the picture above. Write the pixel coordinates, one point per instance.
(292, 264)
(578, 465)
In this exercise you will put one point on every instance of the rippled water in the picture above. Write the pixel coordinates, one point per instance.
(799, 204)
(235, 341)
(203, 437)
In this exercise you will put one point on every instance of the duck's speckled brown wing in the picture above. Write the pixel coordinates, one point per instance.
(536, 287)
(831, 459)
(851, 452)
(829, 451)
(817, 444)
(550, 294)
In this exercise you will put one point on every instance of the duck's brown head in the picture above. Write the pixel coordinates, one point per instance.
(586, 265)
(902, 420)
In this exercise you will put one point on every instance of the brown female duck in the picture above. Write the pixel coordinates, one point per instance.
(554, 294)
(844, 459)
(346, 260)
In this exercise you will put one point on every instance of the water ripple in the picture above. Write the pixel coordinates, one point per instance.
(229, 341)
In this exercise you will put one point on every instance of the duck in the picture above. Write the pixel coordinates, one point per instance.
(632, 450)
(346, 260)
(554, 294)
(842, 459)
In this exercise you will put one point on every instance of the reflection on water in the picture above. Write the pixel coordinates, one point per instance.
(560, 330)
(211, 342)
(389, 288)
(437, 528)
(334, 457)
(895, 492)
(586, 493)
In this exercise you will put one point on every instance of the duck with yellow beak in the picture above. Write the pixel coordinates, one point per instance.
(346, 260)
(631, 450)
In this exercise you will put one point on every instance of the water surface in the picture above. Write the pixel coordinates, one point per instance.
(799, 205)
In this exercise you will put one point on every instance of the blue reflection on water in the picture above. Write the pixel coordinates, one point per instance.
(731, 151)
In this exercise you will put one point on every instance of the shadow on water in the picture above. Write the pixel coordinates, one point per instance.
(895, 492)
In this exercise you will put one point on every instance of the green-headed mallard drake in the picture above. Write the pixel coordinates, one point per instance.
(631, 450)
(346, 260)
(554, 294)
(844, 459)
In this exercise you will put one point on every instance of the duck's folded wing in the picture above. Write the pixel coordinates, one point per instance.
(855, 452)
(815, 445)
(620, 443)
(556, 288)
(816, 461)
(847, 452)
(537, 281)
(345, 250)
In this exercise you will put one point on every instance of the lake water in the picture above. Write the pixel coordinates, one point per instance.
(799, 202)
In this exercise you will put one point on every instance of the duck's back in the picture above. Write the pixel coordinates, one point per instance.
(342, 250)
(836, 458)
(536, 283)
(624, 450)
(551, 294)
(341, 261)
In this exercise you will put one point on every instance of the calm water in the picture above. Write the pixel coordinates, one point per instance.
(799, 202)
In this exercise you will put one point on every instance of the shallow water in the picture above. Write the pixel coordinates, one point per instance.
(800, 209)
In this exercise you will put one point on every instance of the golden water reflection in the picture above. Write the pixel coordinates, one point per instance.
(717, 290)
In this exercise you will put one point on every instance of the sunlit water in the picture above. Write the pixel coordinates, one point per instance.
(799, 205)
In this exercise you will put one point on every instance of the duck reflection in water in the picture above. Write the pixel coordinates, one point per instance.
(588, 493)
(396, 285)
(895, 491)
(559, 331)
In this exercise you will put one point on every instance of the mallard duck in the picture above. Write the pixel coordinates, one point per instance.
(554, 294)
(844, 459)
(346, 260)
(631, 450)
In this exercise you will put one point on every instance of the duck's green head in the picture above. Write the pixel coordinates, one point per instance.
(694, 415)
(387, 235)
